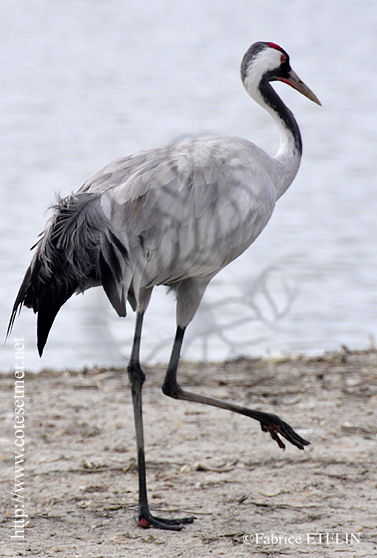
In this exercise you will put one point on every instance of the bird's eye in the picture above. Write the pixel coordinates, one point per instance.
(283, 58)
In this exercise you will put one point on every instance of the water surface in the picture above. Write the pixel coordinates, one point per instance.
(84, 82)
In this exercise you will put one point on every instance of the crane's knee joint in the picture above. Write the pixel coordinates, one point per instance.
(135, 374)
(171, 389)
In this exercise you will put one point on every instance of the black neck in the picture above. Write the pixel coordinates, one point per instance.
(272, 99)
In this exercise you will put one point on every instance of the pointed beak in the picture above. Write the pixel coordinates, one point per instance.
(295, 82)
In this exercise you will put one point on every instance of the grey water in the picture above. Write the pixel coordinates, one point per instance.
(83, 82)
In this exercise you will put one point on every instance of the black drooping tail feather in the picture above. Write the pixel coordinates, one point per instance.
(46, 298)
(77, 250)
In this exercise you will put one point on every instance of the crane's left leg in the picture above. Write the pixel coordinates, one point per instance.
(136, 375)
(269, 422)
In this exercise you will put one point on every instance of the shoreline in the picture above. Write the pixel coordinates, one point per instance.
(330, 355)
(80, 478)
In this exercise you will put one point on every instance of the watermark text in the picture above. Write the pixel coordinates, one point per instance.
(313, 539)
(17, 494)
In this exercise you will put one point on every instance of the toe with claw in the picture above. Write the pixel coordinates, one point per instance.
(275, 426)
(146, 519)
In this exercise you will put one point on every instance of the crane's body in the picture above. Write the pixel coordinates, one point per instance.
(172, 216)
(185, 211)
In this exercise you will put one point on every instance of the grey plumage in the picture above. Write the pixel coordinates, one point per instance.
(164, 216)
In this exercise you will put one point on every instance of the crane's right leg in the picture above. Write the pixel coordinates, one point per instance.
(137, 377)
(269, 423)
(189, 294)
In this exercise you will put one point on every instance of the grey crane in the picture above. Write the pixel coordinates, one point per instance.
(173, 216)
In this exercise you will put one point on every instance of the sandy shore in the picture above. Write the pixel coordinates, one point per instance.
(80, 479)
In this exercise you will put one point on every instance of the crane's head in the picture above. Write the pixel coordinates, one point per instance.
(269, 62)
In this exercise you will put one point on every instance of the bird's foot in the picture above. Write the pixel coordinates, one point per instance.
(275, 426)
(146, 520)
